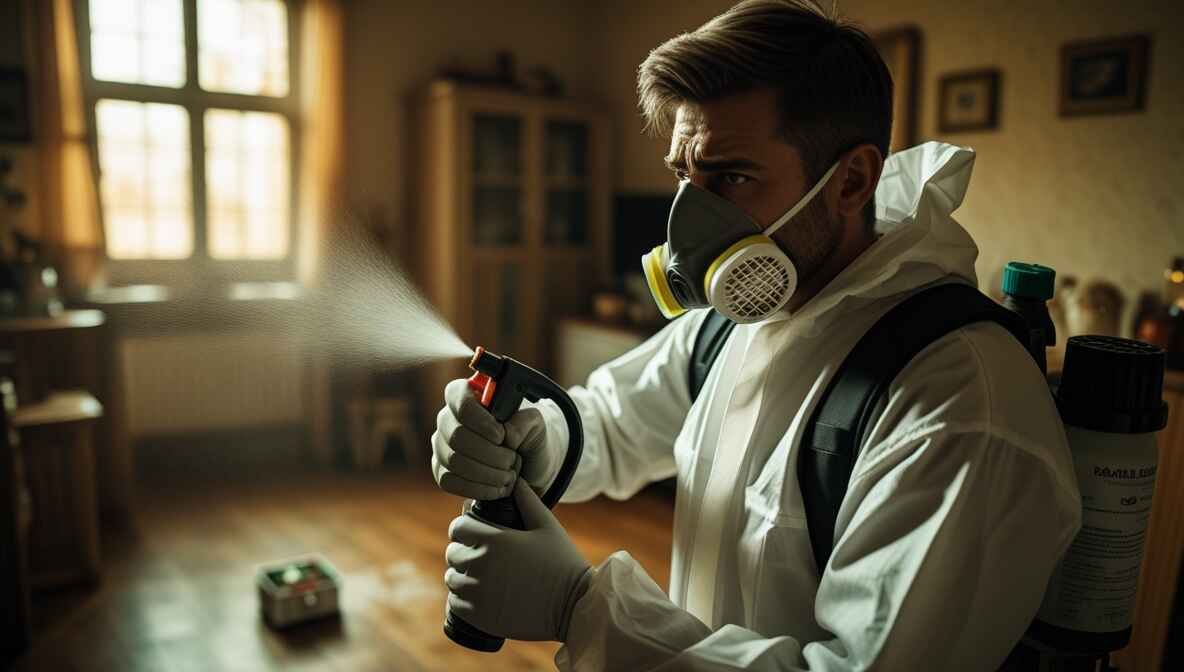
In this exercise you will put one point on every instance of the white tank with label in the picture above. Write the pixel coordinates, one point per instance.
(1111, 401)
(1093, 589)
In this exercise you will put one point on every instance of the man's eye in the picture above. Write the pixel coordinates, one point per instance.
(735, 179)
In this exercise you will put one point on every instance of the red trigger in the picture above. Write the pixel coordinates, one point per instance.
(484, 387)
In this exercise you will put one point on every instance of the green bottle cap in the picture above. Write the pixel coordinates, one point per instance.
(1029, 281)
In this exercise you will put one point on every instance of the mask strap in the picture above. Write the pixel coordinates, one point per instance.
(802, 203)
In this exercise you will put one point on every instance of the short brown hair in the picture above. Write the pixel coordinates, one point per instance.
(835, 91)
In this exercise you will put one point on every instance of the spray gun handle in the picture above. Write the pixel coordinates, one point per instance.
(501, 384)
(484, 386)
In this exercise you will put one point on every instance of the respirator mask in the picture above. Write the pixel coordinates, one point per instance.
(715, 255)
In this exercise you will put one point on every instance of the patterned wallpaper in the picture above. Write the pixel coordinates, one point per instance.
(1098, 197)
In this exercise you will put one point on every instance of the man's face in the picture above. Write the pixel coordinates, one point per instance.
(732, 147)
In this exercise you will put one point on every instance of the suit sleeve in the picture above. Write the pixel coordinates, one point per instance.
(946, 543)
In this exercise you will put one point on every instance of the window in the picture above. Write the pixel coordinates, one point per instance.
(194, 125)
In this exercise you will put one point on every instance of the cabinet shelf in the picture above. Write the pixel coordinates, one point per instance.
(566, 182)
(496, 180)
(565, 251)
(503, 253)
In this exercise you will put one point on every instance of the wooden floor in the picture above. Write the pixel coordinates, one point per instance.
(179, 594)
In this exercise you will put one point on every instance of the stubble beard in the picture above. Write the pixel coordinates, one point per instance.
(810, 241)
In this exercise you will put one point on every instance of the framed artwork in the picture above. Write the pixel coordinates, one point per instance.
(969, 101)
(901, 50)
(1104, 76)
(14, 106)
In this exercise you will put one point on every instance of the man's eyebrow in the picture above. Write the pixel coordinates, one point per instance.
(713, 165)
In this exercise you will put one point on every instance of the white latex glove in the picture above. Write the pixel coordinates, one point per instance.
(518, 584)
(476, 457)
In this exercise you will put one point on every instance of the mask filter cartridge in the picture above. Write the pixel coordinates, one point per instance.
(751, 282)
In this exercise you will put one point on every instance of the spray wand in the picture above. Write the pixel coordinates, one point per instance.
(501, 383)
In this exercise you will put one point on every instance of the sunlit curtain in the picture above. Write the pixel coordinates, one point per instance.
(70, 226)
(321, 100)
(322, 140)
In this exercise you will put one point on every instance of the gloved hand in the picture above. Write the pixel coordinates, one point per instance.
(518, 584)
(475, 456)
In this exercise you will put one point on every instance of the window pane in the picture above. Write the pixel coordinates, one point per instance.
(247, 184)
(243, 46)
(127, 234)
(145, 180)
(114, 15)
(137, 41)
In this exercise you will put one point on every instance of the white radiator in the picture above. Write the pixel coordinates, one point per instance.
(179, 384)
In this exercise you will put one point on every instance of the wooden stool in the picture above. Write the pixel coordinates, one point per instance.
(57, 442)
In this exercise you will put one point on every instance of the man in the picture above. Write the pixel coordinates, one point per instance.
(962, 498)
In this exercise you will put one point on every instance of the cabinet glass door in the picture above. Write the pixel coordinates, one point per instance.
(499, 304)
(497, 179)
(566, 178)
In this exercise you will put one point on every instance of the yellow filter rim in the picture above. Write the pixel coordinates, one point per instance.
(654, 264)
(747, 241)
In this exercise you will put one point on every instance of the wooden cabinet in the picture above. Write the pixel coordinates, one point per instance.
(15, 516)
(1164, 549)
(77, 350)
(513, 219)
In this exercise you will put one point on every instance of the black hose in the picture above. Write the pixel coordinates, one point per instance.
(575, 445)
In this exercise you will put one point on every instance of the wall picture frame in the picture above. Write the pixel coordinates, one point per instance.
(969, 101)
(14, 106)
(901, 50)
(1104, 76)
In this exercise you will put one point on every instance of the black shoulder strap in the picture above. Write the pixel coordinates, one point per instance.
(836, 430)
(709, 342)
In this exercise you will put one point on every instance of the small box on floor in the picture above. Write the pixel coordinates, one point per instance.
(297, 590)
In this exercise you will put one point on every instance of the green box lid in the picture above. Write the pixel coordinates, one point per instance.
(1030, 281)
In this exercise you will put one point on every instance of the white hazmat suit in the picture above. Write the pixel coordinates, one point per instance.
(962, 500)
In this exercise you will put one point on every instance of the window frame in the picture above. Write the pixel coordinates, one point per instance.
(199, 269)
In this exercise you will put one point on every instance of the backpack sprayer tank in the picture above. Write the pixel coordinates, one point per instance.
(1110, 399)
(501, 383)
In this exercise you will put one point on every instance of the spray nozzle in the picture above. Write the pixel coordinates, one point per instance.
(487, 363)
(488, 368)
